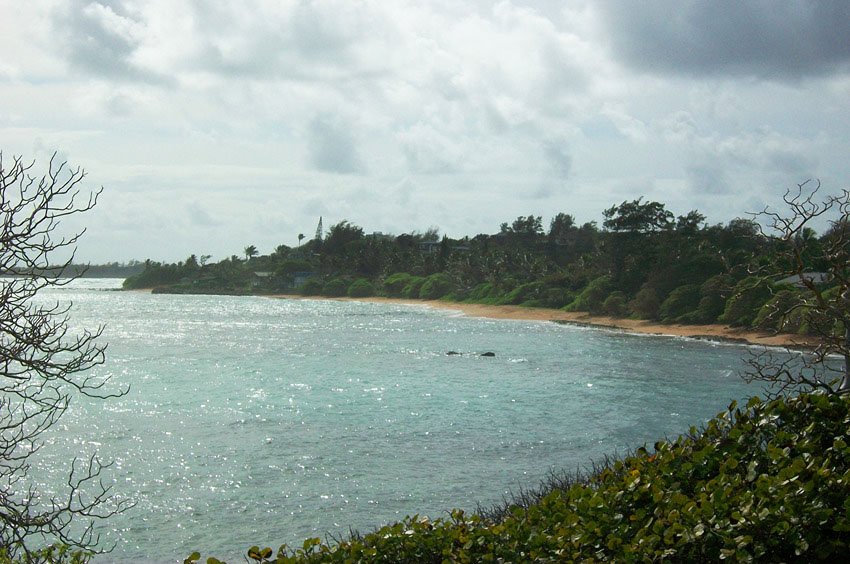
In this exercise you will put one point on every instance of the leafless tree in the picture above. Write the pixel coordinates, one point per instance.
(822, 304)
(43, 364)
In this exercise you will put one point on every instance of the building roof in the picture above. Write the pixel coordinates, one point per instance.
(798, 279)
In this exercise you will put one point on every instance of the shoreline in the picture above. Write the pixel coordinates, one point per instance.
(713, 332)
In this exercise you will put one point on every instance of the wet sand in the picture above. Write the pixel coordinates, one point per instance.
(714, 332)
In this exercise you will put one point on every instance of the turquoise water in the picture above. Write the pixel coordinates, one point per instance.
(253, 420)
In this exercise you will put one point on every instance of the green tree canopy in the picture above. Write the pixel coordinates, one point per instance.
(529, 225)
(637, 217)
(340, 235)
(690, 223)
(560, 227)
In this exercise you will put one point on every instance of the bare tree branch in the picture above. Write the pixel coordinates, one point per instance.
(43, 364)
(820, 304)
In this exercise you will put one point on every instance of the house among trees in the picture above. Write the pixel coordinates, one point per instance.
(300, 278)
(261, 278)
(429, 247)
(797, 280)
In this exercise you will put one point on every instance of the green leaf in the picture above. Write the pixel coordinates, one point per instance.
(752, 470)
(310, 543)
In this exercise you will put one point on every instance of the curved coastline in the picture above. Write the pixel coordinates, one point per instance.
(714, 332)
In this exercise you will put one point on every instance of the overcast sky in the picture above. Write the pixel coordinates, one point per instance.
(217, 125)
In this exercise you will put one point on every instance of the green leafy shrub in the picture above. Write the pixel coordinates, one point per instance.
(814, 321)
(615, 304)
(312, 287)
(411, 290)
(361, 288)
(680, 302)
(336, 287)
(436, 286)
(747, 298)
(486, 293)
(766, 483)
(483, 291)
(53, 554)
(524, 293)
(713, 295)
(556, 298)
(782, 312)
(686, 271)
(592, 297)
(394, 284)
(646, 303)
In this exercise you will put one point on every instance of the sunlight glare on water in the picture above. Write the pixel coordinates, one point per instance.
(254, 420)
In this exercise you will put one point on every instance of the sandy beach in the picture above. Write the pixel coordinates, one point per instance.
(716, 332)
(712, 332)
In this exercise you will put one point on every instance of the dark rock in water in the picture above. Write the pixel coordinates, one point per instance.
(488, 354)
(452, 353)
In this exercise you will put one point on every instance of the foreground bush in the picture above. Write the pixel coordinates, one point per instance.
(769, 483)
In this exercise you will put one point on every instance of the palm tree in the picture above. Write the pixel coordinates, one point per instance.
(250, 252)
(300, 238)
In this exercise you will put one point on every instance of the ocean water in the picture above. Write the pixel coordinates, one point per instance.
(253, 420)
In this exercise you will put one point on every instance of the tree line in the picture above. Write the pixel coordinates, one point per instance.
(643, 262)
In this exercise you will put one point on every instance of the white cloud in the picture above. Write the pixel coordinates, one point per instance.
(431, 151)
(626, 124)
(255, 118)
(713, 160)
(332, 145)
(559, 157)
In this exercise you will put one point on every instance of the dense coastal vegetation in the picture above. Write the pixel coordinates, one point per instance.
(644, 262)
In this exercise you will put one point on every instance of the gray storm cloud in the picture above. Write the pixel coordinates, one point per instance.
(777, 39)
